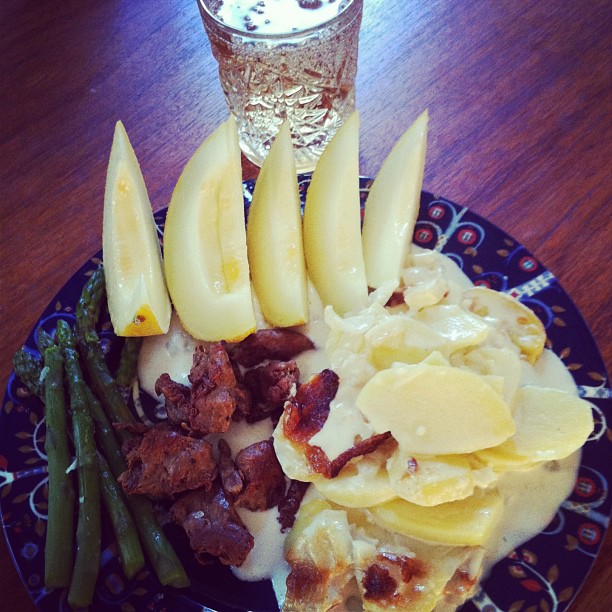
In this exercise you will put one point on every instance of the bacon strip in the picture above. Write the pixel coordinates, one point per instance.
(307, 411)
(305, 415)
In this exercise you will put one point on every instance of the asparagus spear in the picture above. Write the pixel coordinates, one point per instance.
(43, 341)
(100, 378)
(159, 551)
(60, 537)
(132, 557)
(87, 561)
(105, 435)
(128, 362)
(28, 369)
(166, 564)
(88, 306)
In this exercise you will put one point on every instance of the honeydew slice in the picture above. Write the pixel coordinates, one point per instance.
(274, 238)
(138, 300)
(519, 323)
(206, 264)
(466, 522)
(392, 207)
(550, 424)
(332, 223)
(360, 484)
(434, 410)
(429, 481)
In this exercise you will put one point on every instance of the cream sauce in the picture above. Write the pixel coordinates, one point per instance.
(531, 497)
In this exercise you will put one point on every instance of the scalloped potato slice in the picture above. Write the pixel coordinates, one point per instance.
(550, 424)
(401, 339)
(360, 484)
(319, 546)
(466, 522)
(457, 326)
(292, 459)
(433, 410)
(428, 481)
(517, 321)
(491, 361)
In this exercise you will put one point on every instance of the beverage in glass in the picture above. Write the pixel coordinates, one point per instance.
(286, 60)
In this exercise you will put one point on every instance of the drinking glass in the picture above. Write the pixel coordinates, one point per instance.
(286, 60)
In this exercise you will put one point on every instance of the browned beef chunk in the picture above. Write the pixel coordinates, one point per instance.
(270, 386)
(231, 479)
(178, 399)
(263, 477)
(213, 526)
(290, 504)
(214, 395)
(165, 462)
(265, 344)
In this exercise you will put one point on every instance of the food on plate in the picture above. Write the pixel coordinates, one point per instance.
(205, 251)
(393, 206)
(517, 321)
(358, 441)
(332, 218)
(138, 300)
(274, 238)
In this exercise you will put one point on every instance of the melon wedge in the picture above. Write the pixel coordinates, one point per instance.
(332, 223)
(205, 250)
(274, 238)
(392, 207)
(138, 300)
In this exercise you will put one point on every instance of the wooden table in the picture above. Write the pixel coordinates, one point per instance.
(520, 103)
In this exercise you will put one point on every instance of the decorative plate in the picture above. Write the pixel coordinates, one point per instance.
(545, 573)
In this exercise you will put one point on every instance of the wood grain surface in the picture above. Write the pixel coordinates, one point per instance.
(520, 102)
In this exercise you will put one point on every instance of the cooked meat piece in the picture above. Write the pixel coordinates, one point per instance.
(244, 402)
(290, 504)
(136, 427)
(211, 368)
(213, 526)
(214, 395)
(165, 462)
(231, 478)
(272, 383)
(270, 386)
(263, 477)
(265, 344)
(178, 399)
(212, 412)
